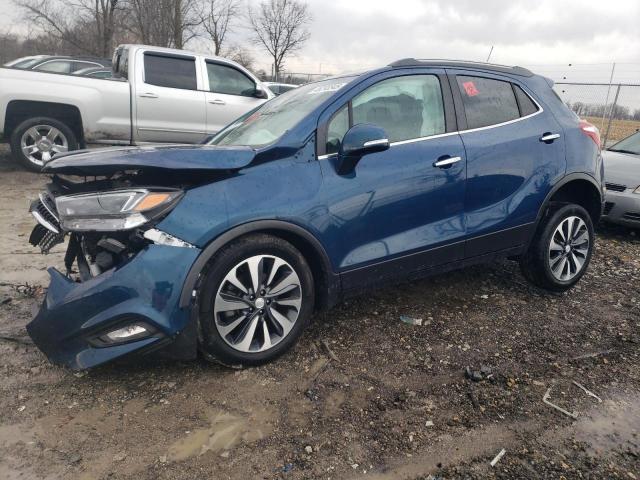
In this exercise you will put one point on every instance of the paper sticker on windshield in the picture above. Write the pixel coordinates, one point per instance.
(326, 88)
(470, 89)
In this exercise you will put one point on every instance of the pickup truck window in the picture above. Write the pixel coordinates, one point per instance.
(229, 81)
(169, 71)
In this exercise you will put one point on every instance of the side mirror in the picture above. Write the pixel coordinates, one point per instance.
(359, 141)
(260, 92)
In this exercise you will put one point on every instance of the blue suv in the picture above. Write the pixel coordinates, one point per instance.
(332, 188)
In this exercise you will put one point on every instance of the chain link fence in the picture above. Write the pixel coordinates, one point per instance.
(613, 108)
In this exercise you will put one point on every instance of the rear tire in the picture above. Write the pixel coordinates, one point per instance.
(36, 140)
(255, 301)
(561, 249)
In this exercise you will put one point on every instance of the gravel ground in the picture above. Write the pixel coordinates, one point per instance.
(363, 395)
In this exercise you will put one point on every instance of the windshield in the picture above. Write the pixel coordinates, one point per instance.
(274, 118)
(23, 62)
(628, 145)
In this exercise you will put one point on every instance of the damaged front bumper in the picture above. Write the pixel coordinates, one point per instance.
(120, 294)
(73, 324)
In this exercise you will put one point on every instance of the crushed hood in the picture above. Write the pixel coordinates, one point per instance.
(107, 161)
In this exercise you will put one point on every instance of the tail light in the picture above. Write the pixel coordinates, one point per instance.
(590, 131)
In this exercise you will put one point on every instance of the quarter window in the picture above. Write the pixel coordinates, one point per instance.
(405, 107)
(171, 72)
(336, 129)
(487, 101)
(229, 81)
(527, 107)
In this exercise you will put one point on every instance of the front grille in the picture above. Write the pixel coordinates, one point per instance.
(632, 216)
(616, 187)
(47, 233)
(608, 206)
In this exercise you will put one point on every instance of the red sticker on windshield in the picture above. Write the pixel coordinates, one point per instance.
(470, 88)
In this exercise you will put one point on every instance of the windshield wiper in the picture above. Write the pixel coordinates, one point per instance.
(622, 150)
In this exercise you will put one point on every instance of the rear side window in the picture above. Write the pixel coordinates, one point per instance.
(487, 101)
(229, 81)
(171, 72)
(527, 107)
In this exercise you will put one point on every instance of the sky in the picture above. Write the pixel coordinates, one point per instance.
(575, 40)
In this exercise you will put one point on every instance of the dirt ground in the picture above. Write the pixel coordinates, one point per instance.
(394, 403)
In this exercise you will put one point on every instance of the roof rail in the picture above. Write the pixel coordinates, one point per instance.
(492, 67)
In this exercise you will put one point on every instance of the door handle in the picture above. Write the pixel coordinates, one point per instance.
(549, 137)
(446, 161)
(217, 101)
(148, 95)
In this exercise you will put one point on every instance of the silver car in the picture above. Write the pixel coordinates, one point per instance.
(622, 176)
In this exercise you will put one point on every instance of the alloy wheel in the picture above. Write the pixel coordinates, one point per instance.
(569, 248)
(257, 303)
(41, 142)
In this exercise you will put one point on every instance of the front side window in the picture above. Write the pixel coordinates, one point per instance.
(405, 107)
(274, 118)
(229, 81)
(487, 101)
(171, 72)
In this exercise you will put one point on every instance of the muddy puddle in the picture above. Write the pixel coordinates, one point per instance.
(612, 427)
(224, 433)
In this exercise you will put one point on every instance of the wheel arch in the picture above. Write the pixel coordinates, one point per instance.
(20, 110)
(579, 188)
(327, 282)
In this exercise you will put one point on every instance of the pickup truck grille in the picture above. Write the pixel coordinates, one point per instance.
(616, 187)
(47, 233)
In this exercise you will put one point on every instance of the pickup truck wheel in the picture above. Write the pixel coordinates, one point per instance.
(35, 141)
(255, 301)
(561, 249)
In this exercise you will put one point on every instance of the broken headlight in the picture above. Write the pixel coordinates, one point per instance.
(114, 210)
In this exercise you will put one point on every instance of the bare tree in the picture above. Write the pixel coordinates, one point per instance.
(216, 20)
(280, 26)
(241, 55)
(86, 25)
(165, 23)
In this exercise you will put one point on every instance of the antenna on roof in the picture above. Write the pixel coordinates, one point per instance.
(490, 52)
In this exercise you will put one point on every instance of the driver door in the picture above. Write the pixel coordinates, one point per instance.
(230, 95)
(401, 210)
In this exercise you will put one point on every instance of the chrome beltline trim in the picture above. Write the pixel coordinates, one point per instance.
(458, 132)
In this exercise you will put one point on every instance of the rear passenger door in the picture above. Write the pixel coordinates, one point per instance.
(509, 163)
(169, 103)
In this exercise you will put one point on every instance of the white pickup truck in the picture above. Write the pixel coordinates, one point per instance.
(156, 95)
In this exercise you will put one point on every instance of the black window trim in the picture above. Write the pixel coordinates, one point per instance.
(153, 53)
(447, 103)
(213, 62)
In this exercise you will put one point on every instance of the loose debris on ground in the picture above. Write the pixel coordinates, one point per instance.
(363, 395)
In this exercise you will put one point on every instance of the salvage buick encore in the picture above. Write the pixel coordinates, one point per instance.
(334, 187)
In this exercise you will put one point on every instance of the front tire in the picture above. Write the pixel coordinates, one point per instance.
(256, 299)
(35, 141)
(561, 249)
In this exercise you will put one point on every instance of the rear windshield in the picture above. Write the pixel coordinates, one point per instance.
(274, 118)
